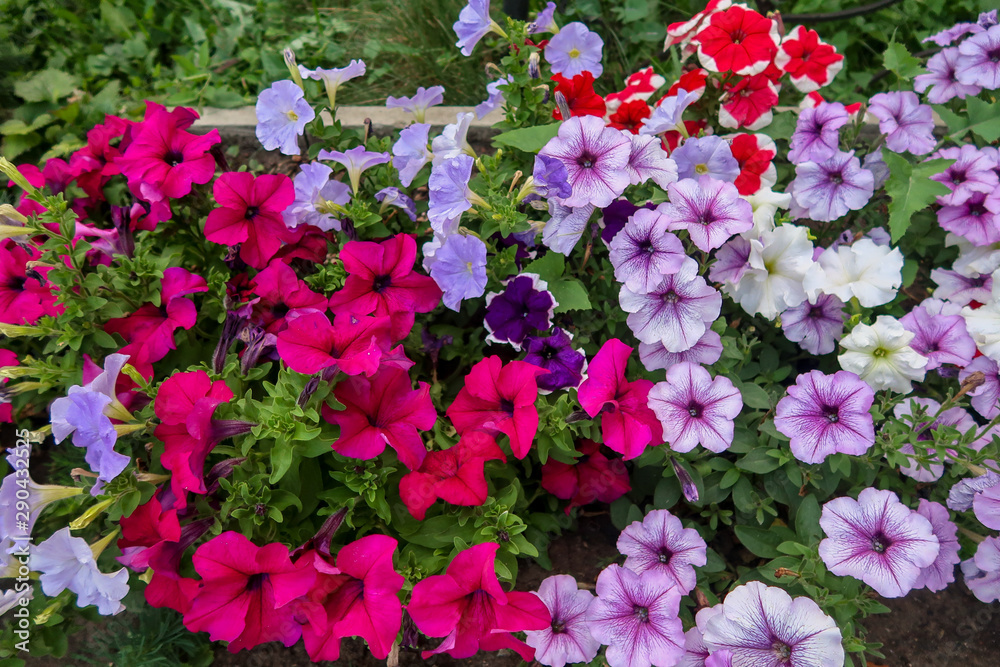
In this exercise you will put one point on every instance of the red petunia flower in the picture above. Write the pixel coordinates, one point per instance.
(809, 62)
(737, 40)
(282, 298)
(353, 344)
(672, 138)
(580, 96)
(683, 33)
(25, 294)
(748, 103)
(693, 81)
(593, 477)
(754, 153)
(250, 214)
(500, 399)
(147, 526)
(7, 358)
(630, 116)
(455, 475)
(639, 86)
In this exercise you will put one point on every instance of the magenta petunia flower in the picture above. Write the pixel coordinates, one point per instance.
(878, 540)
(635, 615)
(282, 116)
(357, 160)
(827, 414)
(706, 156)
(353, 344)
(379, 411)
(710, 210)
(250, 214)
(644, 251)
(817, 133)
(763, 626)
(936, 576)
(25, 295)
(595, 158)
(694, 408)
(567, 639)
(676, 313)
(706, 351)
(943, 339)
(816, 325)
(979, 64)
(908, 124)
(982, 573)
(574, 50)
(825, 191)
(986, 397)
(661, 542)
(975, 219)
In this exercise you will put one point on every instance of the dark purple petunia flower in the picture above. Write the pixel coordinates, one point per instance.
(706, 351)
(827, 414)
(763, 626)
(943, 339)
(710, 210)
(661, 542)
(644, 251)
(616, 214)
(907, 124)
(555, 354)
(936, 576)
(980, 61)
(595, 157)
(694, 408)
(878, 540)
(815, 326)
(524, 306)
(817, 133)
(825, 191)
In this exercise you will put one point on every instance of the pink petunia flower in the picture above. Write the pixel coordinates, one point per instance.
(25, 295)
(250, 214)
(352, 344)
(282, 297)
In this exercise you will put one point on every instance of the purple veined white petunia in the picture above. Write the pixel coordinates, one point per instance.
(971, 172)
(983, 323)
(816, 324)
(764, 626)
(693, 408)
(982, 572)
(575, 49)
(648, 161)
(695, 648)
(940, 337)
(635, 616)
(333, 78)
(866, 270)
(568, 639)
(978, 64)
(827, 414)
(778, 262)
(595, 157)
(661, 542)
(282, 115)
(732, 260)
(709, 209)
(985, 398)
(315, 190)
(419, 103)
(706, 156)
(565, 226)
(410, 152)
(675, 313)
(961, 290)
(817, 133)
(706, 351)
(473, 24)
(936, 576)
(942, 78)
(825, 191)
(907, 124)
(643, 252)
(878, 540)
(880, 354)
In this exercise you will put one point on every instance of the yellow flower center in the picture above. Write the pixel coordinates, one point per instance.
(701, 169)
(574, 53)
(292, 116)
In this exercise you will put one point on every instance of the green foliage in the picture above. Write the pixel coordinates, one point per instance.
(911, 189)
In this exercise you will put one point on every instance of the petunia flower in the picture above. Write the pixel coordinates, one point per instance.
(943, 339)
(986, 506)
(81, 413)
(635, 616)
(282, 297)
(936, 576)
(942, 79)
(419, 103)
(333, 78)
(314, 192)
(644, 251)
(394, 197)
(909, 125)
(580, 96)
(494, 99)
(825, 191)
(15, 506)
(982, 572)
(282, 115)
(524, 306)
(25, 294)
(499, 399)
(459, 269)
(754, 154)
(627, 424)
(706, 156)
(764, 625)
(710, 210)
(864, 270)
(693, 408)
(809, 62)
(878, 540)
(668, 114)
(455, 475)
(975, 218)
(66, 562)
(592, 478)
(661, 542)
(567, 639)
(649, 162)
(706, 351)
(410, 152)
(827, 414)
(556, 355)
(978, 65)
(549, 179)
(575, 49)
(473, 24)
(379, 411)
(676, 313)
(880, 354)
(738, 40)
(982, 322)
(748, 103)
(250, 214)
(777, 263)
(595, 158)
(817, 133)
(986, 397)
(971, 172)
(356, 160)
(449, 193)
(453, 140)
(245, 592)
(630, 116)
(544, 21)
(565, 226)
(467, 606)
(353, 344)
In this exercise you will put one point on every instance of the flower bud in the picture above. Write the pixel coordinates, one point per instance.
(562, 105)
(293, 67)
(534, 70)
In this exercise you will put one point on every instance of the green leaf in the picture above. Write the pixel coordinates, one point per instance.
(19, 127)
(528, 139)
(911, 189)
(281, 460)
(984, 118)
(755, 397)
(759, 541)
(49, 85)
(758, 461)
(899, 61)
(570, 294)
(549, 268)
(807, 519)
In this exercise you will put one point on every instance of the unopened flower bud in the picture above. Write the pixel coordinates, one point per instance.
(293, 67)
(562, 105)
(534, 69)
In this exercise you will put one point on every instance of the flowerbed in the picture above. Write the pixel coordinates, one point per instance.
(345, 404)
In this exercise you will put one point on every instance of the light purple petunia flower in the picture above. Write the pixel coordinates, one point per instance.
(661, 542)
(422, 100)
(676, 312)
(333, 78)
(825, 191)
(549, 178)
(282, 114)
(961, 290)
(65, 562)
(568, 639)
(356, 160)
(575, 49)
(975, 219)
(943, 339)
(669, 114)
(314, 189)
(815, 325)
(454, 139)
(595, 157)
(971, 172)
(732, 261)
(545, 20)
(695, 648)
(494, 97)
(763, 626)
(473, 24)
(936, 576)
(81, 413)
(827, 414)
(982, 572)
(648, 161)
(643, 252)
(875, 163)
(449, 190)
(710, 210)
(979, 64)
(956, 418)
(13, 500)
(635, 615)
(410, 152)
(963, 492)
(706, 351)
(986, 506)
(908, 124)
(459, 269)
(394, 197)
(878, 540)
(817, 133)
(706, 156)
(555, 354)
(986, 397)
(988, 19)
(720, 658)
(950, 35)
(694, 408)
(941, 78)
(565, 226)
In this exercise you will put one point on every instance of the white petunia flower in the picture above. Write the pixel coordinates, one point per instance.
(880, 354)
(452, 141)
(865, 270)
(778, 263)
(983, 323)
(973, 260)
(765, 203)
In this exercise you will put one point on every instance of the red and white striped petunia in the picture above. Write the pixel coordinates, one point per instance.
(809, 62)
(683, 33)
(739, 40)
(639, 86)
(754, 153)
(748, 103)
